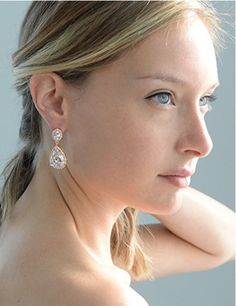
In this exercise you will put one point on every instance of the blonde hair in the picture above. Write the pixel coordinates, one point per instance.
(72, 39)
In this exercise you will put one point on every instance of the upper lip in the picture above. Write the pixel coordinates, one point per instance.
(179, 172)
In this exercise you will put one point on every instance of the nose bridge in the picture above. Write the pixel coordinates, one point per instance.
(195, 136)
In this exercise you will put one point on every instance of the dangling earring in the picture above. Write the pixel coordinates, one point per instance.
(57, 158)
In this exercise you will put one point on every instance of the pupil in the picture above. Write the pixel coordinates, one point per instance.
(202, 101)
(164, 98)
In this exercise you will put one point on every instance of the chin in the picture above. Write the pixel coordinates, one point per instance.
(166, 204)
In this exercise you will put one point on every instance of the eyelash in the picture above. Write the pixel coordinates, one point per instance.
(211, 98)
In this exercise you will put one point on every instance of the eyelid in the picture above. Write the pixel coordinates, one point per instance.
(162, 91)
(211, 97)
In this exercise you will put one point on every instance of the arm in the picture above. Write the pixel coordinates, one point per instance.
(203, 222)
(200, 236)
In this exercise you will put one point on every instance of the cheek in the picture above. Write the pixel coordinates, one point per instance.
(119, 155)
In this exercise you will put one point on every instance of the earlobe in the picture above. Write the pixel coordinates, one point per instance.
(47, 91)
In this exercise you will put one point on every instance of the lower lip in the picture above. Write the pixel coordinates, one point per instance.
(181, 182)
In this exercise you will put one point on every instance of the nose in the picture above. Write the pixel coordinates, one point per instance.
(194, 136)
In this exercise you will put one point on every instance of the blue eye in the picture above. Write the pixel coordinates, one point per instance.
(164, 98)
(206, 101)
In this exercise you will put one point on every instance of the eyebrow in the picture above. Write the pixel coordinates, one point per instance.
(170, 79)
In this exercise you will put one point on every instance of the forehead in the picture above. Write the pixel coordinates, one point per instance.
(184, 49)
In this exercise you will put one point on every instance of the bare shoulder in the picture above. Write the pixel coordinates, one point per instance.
(104, 290)
(119, 295)
(42, 274)
(75, 291)
(56, 286)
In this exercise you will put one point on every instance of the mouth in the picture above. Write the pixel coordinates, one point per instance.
(178, 181)
(180, 178)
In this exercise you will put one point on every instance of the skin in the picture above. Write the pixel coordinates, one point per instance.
(117, 142)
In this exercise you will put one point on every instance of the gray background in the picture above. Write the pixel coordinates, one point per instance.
(214, 176)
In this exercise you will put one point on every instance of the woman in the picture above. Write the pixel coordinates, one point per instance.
(114, 99)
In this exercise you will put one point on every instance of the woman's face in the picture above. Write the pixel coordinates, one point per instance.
(120, 140)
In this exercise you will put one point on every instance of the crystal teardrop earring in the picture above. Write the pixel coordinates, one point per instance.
(57, 158)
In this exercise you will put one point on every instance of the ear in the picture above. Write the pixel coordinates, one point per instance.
(48, 91)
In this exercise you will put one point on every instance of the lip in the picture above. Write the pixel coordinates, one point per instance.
(178, 181)
(180, 178)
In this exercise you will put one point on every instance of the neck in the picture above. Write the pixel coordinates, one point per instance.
(91, 215)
